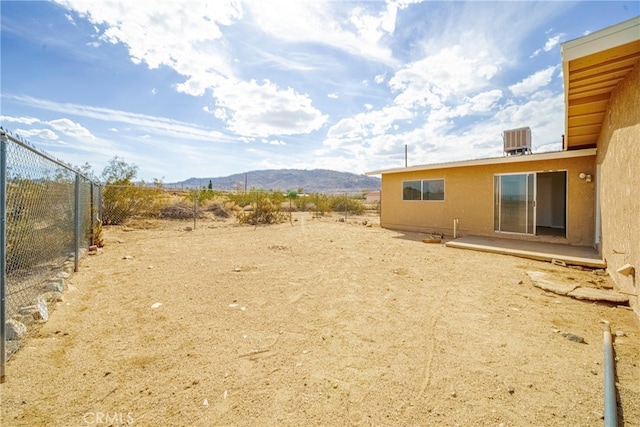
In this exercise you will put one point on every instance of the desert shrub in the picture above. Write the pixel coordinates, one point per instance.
(202, 196)
(222, 208)
(320, 203)
(121, 202)
(180, 210)
(243, 199)
(351, 205)
(263, 211)
(123, 199)
(302, 203)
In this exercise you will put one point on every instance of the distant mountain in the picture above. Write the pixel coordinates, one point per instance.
(311, 181)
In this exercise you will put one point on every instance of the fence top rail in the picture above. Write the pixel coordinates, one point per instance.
(4, 134)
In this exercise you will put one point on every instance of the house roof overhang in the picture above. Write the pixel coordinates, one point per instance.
(592, 67)
(491, 161)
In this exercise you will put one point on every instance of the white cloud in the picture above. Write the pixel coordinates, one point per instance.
(373, 123)
(273, 141)
(70, 19)
(552, 42)
(368, 106)
(47, 134)
(549, 45)
(440, 77)
(71, 128)
(533, 82)
(379, 78)
(150, 124)
(333, 95)
(23, 120)
(263, 109)
(188, 37)
(485, 101)
(354, 30)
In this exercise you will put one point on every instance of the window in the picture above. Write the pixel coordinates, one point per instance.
(433, 189)
(411, 190)
(428, 189)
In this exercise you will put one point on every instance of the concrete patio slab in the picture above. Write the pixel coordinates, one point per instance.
(570, 255)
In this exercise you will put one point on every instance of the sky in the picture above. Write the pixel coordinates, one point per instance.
(212, 88)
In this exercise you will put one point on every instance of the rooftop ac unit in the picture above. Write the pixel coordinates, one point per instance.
(517, 141)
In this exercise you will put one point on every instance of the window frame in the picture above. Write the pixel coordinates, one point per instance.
(421, 190)
(405, 187)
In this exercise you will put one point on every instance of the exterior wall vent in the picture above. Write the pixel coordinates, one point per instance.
(517, 141)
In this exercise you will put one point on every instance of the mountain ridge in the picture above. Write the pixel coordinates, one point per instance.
(309, 180)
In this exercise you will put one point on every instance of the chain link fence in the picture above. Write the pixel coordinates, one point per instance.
(48, 214)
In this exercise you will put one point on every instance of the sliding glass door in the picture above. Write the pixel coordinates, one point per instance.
(514, 203)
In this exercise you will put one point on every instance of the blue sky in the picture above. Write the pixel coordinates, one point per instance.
(208, 89)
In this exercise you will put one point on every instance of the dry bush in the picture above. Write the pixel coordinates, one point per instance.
(180, 210)
(222, 208)
(121, 202)
(263, 211)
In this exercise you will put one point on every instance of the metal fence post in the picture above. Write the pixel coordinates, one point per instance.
(77, 223)
(92, 215)
(3, 254)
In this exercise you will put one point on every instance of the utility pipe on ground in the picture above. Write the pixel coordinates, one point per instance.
(610, 404)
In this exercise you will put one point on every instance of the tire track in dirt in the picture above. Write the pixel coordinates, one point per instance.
(433, 323)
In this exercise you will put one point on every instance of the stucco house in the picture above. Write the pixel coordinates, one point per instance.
(588, 194)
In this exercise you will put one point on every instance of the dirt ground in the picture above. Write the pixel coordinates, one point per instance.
(318, 322)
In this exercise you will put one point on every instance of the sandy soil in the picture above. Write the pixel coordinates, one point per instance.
(318, 322)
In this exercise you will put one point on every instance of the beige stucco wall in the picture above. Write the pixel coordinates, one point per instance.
(619, 160)
(469, 197)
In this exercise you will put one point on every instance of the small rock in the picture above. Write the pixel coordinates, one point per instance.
(52, 297)
(127, 257)
(453, 394)
(573, 337)
(559, 262)
(515, 282)
(55, 285)
(120, 241)
(188, 229)
(510, 389)
(28, 310)
(156, 304)
(15, 330)
(619, 333)
(43, 309)
(93, 249)
(237, 269)
(593, 372)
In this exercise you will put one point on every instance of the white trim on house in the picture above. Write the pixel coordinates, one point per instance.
(492, 161)
(616, 35)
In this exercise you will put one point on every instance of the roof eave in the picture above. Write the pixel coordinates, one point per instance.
(490, 161)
